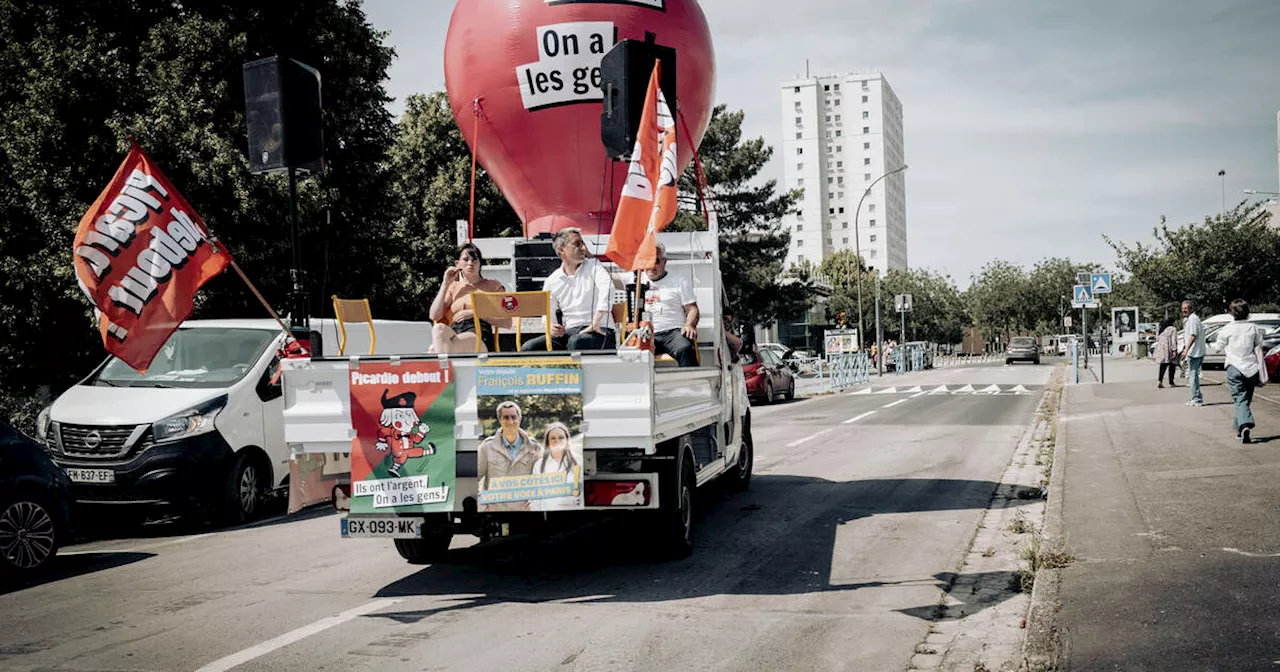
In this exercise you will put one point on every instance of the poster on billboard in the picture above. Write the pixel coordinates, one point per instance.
(530, 458)
(403, 457)
(840, 341)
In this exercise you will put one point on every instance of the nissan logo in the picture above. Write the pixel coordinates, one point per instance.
(93, 439)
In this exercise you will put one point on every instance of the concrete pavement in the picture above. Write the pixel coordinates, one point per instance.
(1173, 527)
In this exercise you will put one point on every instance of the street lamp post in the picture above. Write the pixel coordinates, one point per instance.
(857, 242)
(1223, 174)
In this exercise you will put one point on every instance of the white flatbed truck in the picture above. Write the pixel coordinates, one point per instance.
(644, 420)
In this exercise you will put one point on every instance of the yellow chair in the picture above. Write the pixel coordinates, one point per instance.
(354, 311)
(501, 306)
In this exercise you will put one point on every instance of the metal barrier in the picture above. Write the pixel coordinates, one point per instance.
(908, 358)
(846, 370)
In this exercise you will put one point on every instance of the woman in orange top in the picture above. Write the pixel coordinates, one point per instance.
(454, 329)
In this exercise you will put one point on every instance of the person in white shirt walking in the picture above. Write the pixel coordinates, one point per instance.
(1193, 352)
(1240, 343)
(581, 296)
(673, 310)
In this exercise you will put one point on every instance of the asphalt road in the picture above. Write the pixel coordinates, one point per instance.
(861, 507)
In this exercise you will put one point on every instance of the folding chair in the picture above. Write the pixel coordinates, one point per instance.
(353, 310)
(493, 306)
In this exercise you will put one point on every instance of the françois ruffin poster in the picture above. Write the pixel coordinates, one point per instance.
(530, 458)
(403, 459)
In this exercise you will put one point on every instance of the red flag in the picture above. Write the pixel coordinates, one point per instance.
(648, 201)
(141, 252)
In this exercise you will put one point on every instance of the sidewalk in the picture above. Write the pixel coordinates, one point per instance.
(1174, 526)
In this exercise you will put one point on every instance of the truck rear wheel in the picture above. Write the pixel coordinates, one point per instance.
(433, 547)
(675, 525)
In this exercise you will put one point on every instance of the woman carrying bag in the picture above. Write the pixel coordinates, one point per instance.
(1246, 367)
(1167, 352)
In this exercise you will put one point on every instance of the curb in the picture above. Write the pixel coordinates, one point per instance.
(1044, 646)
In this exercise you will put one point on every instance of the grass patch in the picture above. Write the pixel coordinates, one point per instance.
(1020, 524)
(1038, 555)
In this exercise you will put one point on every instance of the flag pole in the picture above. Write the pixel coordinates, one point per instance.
(231, 260)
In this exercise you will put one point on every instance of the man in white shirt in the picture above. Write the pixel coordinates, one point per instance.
(1194, 352)
(581, 297)
(673, 310)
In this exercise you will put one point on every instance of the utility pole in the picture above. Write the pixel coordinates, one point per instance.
(1102, 354)
(879, 333)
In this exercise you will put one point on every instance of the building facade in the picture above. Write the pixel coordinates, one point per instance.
(841, 133)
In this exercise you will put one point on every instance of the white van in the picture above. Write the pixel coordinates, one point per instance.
(204, 425)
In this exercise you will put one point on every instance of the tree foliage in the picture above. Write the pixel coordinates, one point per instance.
(1230, 255)
(753, 242)
(77, 78)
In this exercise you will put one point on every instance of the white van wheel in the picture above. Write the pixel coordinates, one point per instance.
(242, 496)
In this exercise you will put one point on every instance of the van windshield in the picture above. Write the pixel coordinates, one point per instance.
(193, 357)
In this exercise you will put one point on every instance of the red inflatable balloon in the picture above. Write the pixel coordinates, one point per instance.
(531, 68)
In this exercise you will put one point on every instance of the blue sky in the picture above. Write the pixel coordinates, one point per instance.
(1032, 127)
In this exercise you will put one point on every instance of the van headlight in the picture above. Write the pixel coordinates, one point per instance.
(42, 425)
(194, 421)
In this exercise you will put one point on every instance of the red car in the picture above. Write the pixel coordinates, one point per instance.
(767, 377)
(1272, 359)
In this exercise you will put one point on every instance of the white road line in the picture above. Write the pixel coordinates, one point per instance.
(806, 439)
(854, 419)
(236, 659)
(918, 394)
(893, 403)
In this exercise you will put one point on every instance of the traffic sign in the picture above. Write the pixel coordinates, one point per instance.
(902, 302)
(1066, 321)
(1100, 283)
(1081, 294)
(1083, 278)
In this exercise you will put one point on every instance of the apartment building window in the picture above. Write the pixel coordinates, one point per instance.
(797, 89)
(800, 257)
(840, 195)
(842, 211)
(873, 254)
(837, 87)
(831, 180)
(799, 166)
(837, 102)
(830, 195)
(828, 135)
(799, 150)
(797, 121)
(838, 148)
(799, 243)
(800, 182)
(826, 88)
(837, 118)
(799, 227)
(831, 211)
(827, 102)
(866, 162)
(845, 241)
(871, 208)
(828, 118)
(866, 86)
(837, 134)
(866, 176)
(866, 115)
(839, 180)
(797, 106)
(873, 222)
(844, 225)
(800, 216)
(866, 130)
(839, 164)
(873, 238)
(866, 145)
(797, 135)
(864, 99)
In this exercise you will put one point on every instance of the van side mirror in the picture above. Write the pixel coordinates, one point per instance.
(266, 389)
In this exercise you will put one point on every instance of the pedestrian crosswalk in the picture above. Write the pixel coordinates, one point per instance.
(952, 389)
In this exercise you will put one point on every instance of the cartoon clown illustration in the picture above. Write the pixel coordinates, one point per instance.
(400, 430)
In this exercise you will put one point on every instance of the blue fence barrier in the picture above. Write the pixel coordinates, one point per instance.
(846, 370)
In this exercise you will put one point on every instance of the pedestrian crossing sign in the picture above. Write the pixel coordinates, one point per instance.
(1082, 294)
(1101, 283)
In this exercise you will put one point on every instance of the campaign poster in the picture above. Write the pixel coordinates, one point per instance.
(531, 456)
(1124, 323)
(313, 476)
(403, 457)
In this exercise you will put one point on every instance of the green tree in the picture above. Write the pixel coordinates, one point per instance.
(1230, 255)
(995, 299)
(77, 77)
(753, 242)
(430, 165)
(937, 311)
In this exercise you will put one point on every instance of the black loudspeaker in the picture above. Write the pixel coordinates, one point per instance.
(534, 260)
(282, 111)
(624, 78)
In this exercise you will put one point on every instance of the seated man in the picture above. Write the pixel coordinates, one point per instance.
(673, 310)
(581, 296)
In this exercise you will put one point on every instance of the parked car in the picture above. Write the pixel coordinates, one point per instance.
(35, 505)
(767, 377)
(1273, 362)
(1268, 325)
(1022, 349)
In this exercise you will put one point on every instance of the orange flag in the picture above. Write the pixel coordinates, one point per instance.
(140, 255)
(648, 201)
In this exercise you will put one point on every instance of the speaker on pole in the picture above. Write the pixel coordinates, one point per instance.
(282, 112)
(624, 78)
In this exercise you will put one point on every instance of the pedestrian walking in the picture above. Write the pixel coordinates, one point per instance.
(1193, 352)
(1166, 352)
(1242, 345)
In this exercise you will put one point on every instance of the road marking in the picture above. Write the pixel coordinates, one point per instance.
(852, 420)
(888, 390)
(811, 437)
(918, 394)
(1247, 554)
(893, 403)
(242, 657)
